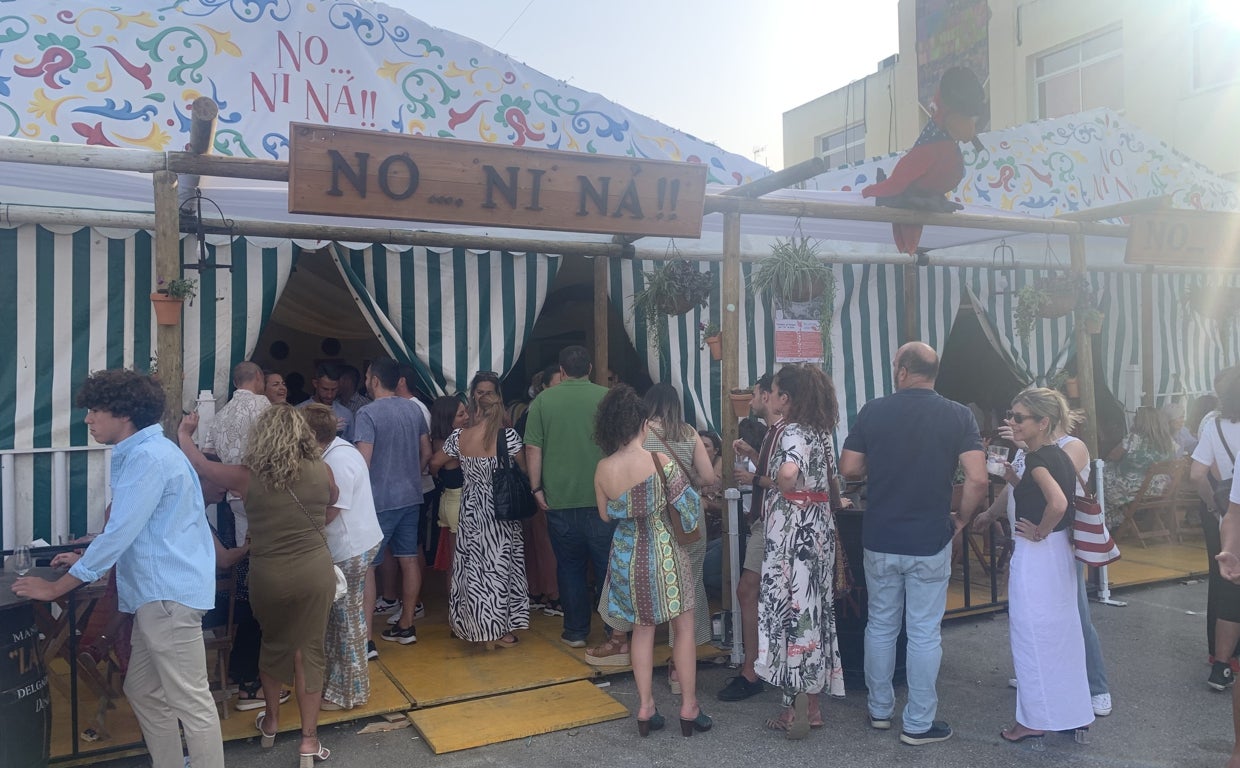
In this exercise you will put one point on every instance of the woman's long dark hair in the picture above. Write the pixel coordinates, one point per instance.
(811, 396)
(443, 415)
(663, 402)
(619, 417)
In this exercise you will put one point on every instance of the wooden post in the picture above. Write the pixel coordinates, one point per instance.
(169, 352)
(911, 330)
(730, 327)
(602, 316)
(1147, 337)
(1084, 354)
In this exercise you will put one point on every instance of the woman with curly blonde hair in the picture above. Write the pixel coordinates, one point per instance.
(287, 489)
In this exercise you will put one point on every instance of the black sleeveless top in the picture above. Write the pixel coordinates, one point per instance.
(1030, 504)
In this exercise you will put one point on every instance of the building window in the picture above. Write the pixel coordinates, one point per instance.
(1216, 44)
(843, 147)
(1084, 75)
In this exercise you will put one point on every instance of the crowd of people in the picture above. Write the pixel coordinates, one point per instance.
(309, 502)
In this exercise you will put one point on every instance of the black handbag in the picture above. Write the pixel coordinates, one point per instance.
(510, 488)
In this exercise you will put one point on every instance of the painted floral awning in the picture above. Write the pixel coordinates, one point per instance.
(125, 75)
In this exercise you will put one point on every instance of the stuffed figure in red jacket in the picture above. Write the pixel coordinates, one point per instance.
(934, 166)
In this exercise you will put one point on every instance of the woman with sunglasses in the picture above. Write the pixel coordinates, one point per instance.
(1048, 646)
(489, 600)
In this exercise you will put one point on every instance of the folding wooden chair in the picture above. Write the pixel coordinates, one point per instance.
(1146, 516)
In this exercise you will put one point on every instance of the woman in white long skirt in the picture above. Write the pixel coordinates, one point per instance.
(1048, 647)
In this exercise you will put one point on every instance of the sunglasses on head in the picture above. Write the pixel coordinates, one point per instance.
(1018, 418)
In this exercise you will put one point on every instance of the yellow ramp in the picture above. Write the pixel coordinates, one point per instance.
(492, 720)
(439, 669)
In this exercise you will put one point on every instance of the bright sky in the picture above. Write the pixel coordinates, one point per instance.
(722, 70)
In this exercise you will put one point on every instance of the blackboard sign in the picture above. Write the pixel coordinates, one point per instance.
(25, 704)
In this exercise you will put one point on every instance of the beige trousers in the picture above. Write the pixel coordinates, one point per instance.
(167, 683)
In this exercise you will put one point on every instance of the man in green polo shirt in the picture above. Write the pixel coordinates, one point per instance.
(562, 456)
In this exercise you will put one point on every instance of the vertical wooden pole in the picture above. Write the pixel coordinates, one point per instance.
(169, 352)
(1147, 337)
(1084, 354)
(730, 365)
(911, 330)
(601, 318)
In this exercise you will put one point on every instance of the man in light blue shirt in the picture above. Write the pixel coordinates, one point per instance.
(158, 539)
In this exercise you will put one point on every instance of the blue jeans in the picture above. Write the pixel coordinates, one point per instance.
(579, 538)
(1095, 669)
(916, 586)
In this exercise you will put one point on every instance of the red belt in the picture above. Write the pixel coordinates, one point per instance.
(807, 497)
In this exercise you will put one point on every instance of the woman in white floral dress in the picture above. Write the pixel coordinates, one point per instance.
(797, 648)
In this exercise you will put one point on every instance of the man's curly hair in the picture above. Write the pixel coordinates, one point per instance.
(123, 393)
(620, 415)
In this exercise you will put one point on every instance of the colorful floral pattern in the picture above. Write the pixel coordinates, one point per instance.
(86, 73)
(1067, 164)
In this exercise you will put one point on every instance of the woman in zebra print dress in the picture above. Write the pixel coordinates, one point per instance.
(489, 598)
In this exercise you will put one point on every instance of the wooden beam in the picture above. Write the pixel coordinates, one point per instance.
(911, 330)
(1116, 210)
(203, 112)
(1084, 355)
(1147, 337)
(602, 318)
(808, 209)
(730, 327)
(780, 179)
(169, 351)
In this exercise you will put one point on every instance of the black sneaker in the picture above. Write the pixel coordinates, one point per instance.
(939, 731)
(880, 723)
(1220, 676)
(739, 689)
(402, 636)
(372, 652)
(553, 608)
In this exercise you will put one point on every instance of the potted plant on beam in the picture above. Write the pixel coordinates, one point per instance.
(711, 338)
(169, 296)
(740, 400)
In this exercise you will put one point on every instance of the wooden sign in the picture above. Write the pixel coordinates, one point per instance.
(349, 172)
(1184, 239)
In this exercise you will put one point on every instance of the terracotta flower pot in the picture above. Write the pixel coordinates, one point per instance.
(1093, 326)
(1071, 389)
(740, 403)
(716, 346)
(167, 308)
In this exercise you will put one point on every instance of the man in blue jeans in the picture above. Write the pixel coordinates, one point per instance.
(908, 445)
(562, 456)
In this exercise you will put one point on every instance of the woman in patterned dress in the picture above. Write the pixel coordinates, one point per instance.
(489, 598)
(797, 648)
(649, 576)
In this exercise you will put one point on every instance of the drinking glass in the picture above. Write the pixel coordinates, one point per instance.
(996, 457)
(22, 562)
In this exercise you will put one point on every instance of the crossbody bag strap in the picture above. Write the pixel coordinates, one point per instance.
(313, 524)
(672, 453)
(1218, 425)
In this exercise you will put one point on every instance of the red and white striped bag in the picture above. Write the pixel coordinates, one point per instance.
(1091, 539)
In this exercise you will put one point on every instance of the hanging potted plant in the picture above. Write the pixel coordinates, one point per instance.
(1044, 298)
(711, 338)
(672, 289)
(794, 272)
(168, 298)
(1092, 319)
(1217, 304)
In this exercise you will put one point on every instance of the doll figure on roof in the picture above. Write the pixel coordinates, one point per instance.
(934, 166)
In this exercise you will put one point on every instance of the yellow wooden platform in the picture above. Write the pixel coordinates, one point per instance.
(495, 719)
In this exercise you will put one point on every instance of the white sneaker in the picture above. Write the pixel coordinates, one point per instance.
(1102, 704)
(419, 611)
(1011, 682)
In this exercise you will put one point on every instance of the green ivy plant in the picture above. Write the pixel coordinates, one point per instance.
(184, 288)
(671, 289)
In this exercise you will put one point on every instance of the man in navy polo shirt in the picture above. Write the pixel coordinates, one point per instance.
(908, 445)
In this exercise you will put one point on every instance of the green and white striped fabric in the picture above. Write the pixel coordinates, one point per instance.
(682, 363)
(449, 314)
(75, 301)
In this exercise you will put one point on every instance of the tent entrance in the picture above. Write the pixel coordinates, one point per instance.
(975, 369)
(315, 321)
(567, 318)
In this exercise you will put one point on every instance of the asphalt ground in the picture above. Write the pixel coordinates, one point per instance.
(1164, 714)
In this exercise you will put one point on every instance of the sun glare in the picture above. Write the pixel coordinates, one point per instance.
(1225, 11)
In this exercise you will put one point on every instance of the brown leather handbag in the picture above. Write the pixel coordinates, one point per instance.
(673, 518)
